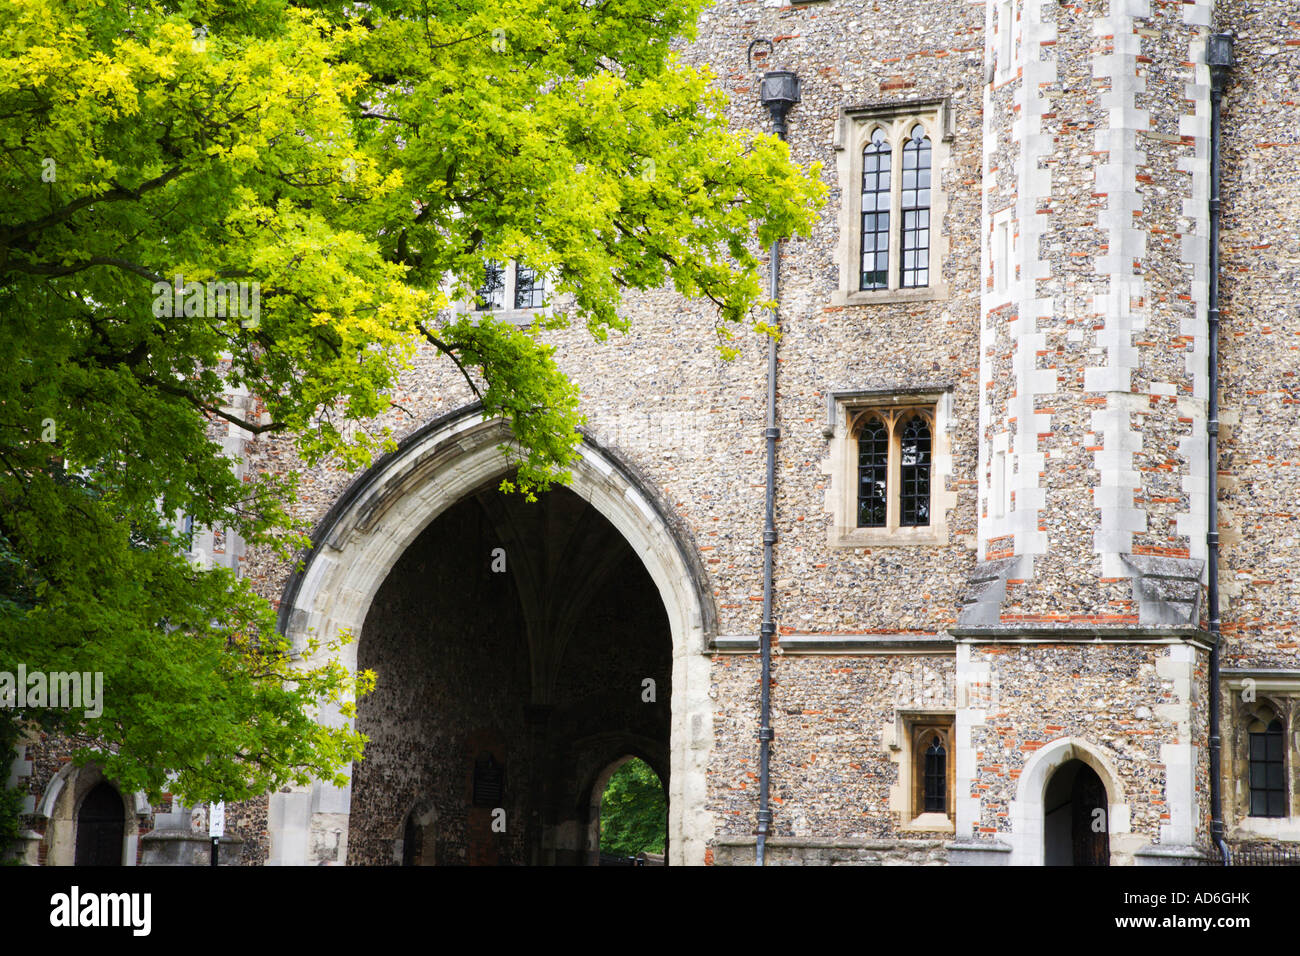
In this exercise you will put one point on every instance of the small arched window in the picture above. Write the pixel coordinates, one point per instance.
(936, 776)
(876, 182)
(932, 777)
(914, 474)
(1267, 774)
(873, 473)
(915, 209)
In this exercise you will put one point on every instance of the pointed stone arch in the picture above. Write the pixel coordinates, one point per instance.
(1027, 810)
(60, 805)
(377, 518)
(594, 788)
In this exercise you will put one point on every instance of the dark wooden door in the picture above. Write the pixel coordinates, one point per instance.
(101, 826)
(1090, 823)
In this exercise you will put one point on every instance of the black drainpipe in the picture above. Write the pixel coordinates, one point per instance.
(780, 91)
(1219, 57)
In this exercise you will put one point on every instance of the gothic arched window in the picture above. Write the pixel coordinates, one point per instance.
(914, 468)
(877, 180)
(936, 776)
(932, 766)
(915, 209)
(1267, 774)
(873, 473)
(895, 463)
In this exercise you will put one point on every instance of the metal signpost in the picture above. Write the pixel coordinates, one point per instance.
(216, 826)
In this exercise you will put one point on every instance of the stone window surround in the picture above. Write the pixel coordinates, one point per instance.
(900, 737)
(1002, 261)
(520, 317)
(852, 133)
(1279, 692)
(841, 494)
(1003, 40)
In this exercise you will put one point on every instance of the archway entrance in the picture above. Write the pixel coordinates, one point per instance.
(101, 827)
(375, 524)
(1076, 820)
(514, 644)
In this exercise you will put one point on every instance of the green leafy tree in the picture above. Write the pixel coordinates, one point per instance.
(359, 163)
(633, 811)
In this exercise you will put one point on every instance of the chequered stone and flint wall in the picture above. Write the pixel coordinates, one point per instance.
(1095, 142)
(1134, 703)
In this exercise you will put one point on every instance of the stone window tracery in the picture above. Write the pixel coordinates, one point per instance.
(890, 464)
(894, 466)
(891, 156)
(1261, 751)
(932, 770)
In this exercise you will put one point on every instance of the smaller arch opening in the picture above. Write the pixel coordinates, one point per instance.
(101, 827)
(631, 813)
(1076, 817)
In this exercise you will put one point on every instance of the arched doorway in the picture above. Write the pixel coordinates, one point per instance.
(101, 827)
(372, 529)
(628, 815)
(511, 641)
(1076, 824)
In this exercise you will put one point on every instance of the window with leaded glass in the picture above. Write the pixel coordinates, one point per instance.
(914, 473)
(892, 245)
(492, 294)
(932, 767)
(530, 288)
(915, 210)
(873, 473)
(1267, 769)
(877, 184)
(936, 776)
(894, 466)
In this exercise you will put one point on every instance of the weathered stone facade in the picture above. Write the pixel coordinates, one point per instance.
(1054, 613)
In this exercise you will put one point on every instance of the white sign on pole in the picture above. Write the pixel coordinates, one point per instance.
(217, 820)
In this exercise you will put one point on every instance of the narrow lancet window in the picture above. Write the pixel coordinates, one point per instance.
(915, 210)
(1267, 779)
(914, 474)
(875, 212)
(936, 777)
(873, 468)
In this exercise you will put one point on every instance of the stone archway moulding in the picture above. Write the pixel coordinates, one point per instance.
(1027, 810)
(62, 800)
(362, 537)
